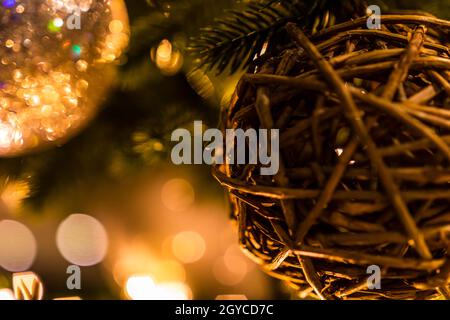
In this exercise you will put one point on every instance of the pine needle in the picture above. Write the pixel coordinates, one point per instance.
(234, 41)
(14, 192)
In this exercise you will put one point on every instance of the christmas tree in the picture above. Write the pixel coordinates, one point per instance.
(86, 128)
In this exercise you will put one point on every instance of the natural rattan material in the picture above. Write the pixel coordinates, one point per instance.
(364, 119)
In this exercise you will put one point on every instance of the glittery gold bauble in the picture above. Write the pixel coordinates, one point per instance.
(57, 61)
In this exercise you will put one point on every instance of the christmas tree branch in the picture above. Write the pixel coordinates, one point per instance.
(235, 40)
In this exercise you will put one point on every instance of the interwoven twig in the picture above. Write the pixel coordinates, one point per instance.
(364, 119)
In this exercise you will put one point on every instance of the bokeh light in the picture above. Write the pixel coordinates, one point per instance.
(116, 26)
(177, 195)
(167, 59)
(143, 287)
(170, 270)
(82, 240)
(188, 246)
(235, 261)
(140, 287)
(68, 298)
(164, 51)
(9, 3)
(17, 246)
(232, 297)
(173, 291)
(132, 259)
(225, 276)
(6, 294)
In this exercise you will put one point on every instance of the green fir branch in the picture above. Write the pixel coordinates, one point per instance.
(234, 41)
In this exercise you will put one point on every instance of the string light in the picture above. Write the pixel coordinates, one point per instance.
(167, 59)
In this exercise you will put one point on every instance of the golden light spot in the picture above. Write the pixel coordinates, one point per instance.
(20, 9)
(235, 297)
(188, 246)
(173, 291)
(6, 294)
(164, 51)
(235, 261)
(9, 43)
(143, 287)
(140, 287)
(81, 65)
(116, 26)
(17, 75)
(35, 100)
(177, 195)
(223, 274)
(170, 270)
(81, 87)
(168, 60)
(6, 135)
(158, 146)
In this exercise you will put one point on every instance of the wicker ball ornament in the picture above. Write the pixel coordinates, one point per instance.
(364, 120)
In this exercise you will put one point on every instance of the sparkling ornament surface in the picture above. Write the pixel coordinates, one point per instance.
(57, 60)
